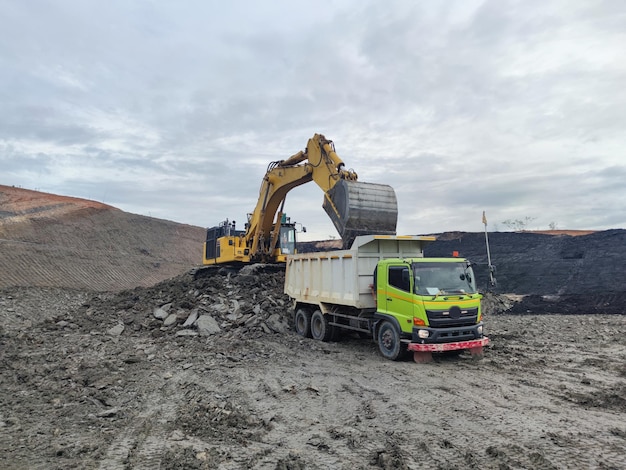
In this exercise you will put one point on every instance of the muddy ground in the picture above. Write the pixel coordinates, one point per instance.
(130, 380)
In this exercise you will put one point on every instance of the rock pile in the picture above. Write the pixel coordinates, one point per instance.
(492, 303)
(211, 301)
(202, 302)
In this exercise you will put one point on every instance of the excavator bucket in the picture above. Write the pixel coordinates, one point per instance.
(361, 209)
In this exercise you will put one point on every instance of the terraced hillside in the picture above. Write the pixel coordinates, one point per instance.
(56, 241)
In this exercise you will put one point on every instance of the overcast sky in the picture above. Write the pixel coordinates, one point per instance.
(174, 109)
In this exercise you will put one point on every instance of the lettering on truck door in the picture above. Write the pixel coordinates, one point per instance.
(399, 298)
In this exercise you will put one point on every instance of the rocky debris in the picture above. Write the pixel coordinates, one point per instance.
(161, 313)
(613, 303)
(186, 333)
(116, 330)
(320, 245)
(170, 320)
(202, 302)
(191, 319)
(207, 325)
(496, 303)
(241, 303)
(249, 397)
(108, 413)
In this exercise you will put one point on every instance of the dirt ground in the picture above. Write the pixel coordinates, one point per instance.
(204, 371)
(102, 381)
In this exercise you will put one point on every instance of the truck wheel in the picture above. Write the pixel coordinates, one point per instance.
(302, 322)
(389, 341)
(320, 329)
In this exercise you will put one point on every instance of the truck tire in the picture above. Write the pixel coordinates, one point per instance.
(302, 322)
(389, 342)
(320, 329)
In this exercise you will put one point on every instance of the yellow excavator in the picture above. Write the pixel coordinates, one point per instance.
(356, 208)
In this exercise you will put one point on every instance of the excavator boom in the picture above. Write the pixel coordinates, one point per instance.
(355, 208)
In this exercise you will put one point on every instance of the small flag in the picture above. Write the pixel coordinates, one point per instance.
(484, 218)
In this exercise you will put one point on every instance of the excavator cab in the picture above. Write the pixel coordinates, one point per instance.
(226, 245)
(287, 241)
(286, 244)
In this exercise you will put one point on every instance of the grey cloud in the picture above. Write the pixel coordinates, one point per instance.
(465, 106)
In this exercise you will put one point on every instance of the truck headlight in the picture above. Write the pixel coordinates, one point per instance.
(480, 330)
(423, 334)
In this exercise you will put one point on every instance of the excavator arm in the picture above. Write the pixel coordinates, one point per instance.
(355, 208)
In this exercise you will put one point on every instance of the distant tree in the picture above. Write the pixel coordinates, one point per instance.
(518, 224)
(553, 226)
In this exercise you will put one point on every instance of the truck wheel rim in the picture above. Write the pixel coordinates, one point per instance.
(300, 323)
(315, 327)
(388, 339)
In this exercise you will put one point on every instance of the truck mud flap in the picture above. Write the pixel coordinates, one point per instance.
(358, 208)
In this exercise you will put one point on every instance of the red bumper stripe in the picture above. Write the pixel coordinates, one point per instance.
(476, 343)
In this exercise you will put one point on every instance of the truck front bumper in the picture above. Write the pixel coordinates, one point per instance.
(423, 352)
(442, 347)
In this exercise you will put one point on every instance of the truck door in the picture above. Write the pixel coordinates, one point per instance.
(399, 298)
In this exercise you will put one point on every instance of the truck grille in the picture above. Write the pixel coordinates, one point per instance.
(455, 316)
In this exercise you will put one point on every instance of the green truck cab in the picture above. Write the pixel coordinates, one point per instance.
(427, 305)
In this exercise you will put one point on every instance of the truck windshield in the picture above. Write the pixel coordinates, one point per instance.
(433, 278)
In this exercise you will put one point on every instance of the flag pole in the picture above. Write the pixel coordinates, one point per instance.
(492, 268)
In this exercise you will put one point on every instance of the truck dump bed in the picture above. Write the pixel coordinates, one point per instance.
(344, 277)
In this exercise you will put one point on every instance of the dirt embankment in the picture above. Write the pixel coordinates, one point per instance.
(56, 241)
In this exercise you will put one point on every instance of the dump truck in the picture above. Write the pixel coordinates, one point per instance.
(384, 288)
(355, 208)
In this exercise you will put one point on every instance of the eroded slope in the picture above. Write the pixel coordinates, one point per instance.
(56, 241)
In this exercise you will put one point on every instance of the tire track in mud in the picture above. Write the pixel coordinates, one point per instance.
(140, 446)
(309, 425)
(297, 412)
(526, 424)
(562, 392)
(447, 413)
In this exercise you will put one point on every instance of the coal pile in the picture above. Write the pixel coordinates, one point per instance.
(554, 273)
